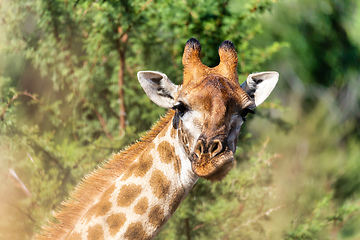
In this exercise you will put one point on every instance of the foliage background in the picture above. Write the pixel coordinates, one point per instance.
(69, 98)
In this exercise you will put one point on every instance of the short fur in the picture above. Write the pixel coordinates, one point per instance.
(94, 184)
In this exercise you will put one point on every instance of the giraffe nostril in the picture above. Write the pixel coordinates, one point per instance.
(199, 148)
(215, 148)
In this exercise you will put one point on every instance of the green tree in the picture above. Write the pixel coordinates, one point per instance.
(321, 96)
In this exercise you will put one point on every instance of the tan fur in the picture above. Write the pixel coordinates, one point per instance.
(74, 236)
(102, 207)
(96, 233)
(94, 184)
(195, 70)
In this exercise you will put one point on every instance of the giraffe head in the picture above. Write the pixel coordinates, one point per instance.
(210, 106)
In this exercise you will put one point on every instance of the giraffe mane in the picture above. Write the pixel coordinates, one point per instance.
(93, 185)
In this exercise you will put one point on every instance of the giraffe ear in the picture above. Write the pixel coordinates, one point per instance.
(259, 86)
(158, 87)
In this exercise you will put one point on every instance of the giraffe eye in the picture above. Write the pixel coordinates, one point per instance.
(181, 108)
(245, 112)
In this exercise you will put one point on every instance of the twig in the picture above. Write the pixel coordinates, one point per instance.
(16, 96)
(103, 124)
(199, 226)
(264, 147)
(19, 183)
(257, 217)
(145, 5)
(31, 159)
(121, 44)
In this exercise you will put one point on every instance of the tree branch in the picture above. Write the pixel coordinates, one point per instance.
(121, 50)
(257, 217)
(16, 96)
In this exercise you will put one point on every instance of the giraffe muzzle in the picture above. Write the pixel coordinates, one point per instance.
(212, 160)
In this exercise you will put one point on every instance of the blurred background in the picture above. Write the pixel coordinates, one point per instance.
(69, 98)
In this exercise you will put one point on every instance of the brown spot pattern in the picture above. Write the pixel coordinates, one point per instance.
(166, 151)
(144, 164)
(115, 222)
(96, 233)
(103, 206)
(128, 193)
(142, 205)
(140, 167)
(156, 216)
(135, 231)
(176, 200)
(159, 183)
(99, 209)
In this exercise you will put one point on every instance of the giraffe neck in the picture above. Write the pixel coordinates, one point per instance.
(138, 202)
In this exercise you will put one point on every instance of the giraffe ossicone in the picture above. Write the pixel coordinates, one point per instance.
(132, 195)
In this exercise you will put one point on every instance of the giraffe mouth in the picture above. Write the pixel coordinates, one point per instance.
(215, 168)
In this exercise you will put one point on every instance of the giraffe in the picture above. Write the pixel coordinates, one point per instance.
(133, 194)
